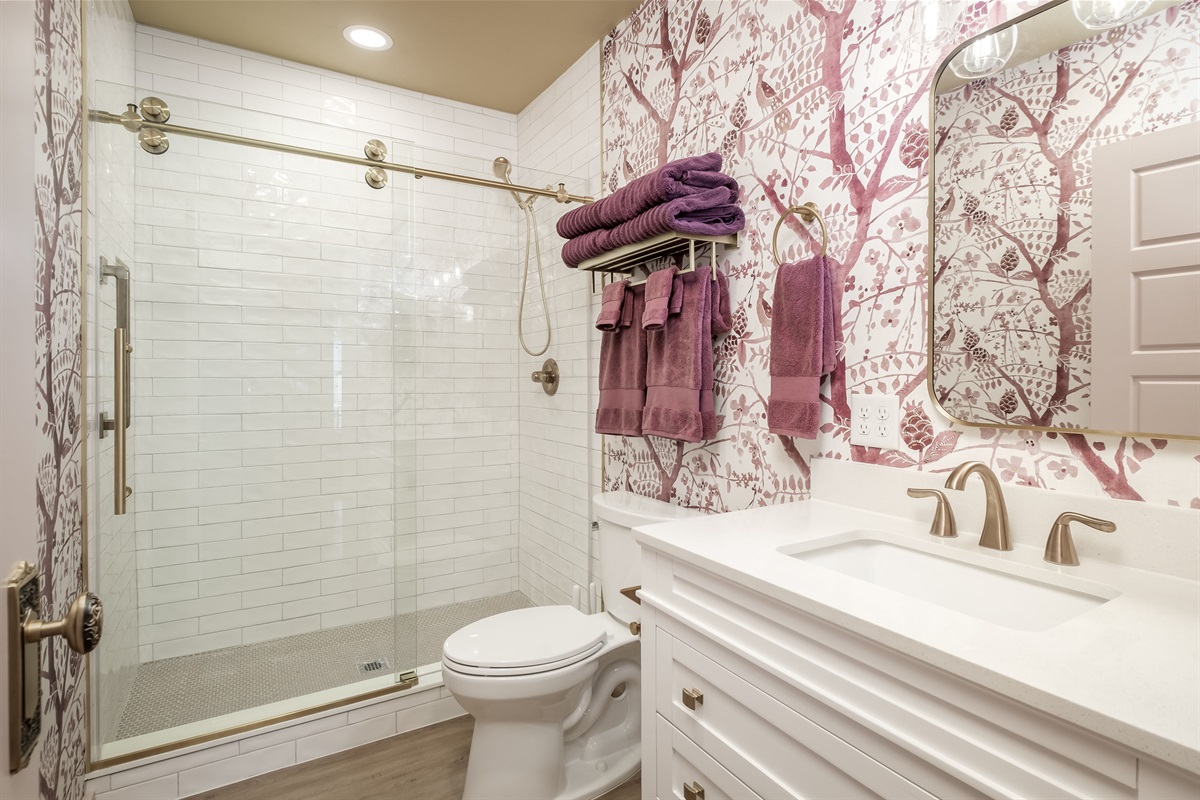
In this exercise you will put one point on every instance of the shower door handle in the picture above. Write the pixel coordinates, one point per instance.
(120, 271)
(122, 349)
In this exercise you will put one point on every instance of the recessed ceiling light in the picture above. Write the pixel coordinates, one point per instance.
(368, 38)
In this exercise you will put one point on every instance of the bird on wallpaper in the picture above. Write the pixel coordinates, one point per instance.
(767, 98)
(946, 339)
(627, 168)
(947, 206)
(664, 35)
(763, 306)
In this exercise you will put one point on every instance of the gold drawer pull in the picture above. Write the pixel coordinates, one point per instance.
(693, 791)
(693, 698)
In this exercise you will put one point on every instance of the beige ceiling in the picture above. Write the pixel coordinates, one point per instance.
(495, 53)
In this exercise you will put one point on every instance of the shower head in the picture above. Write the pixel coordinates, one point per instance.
(502, 169)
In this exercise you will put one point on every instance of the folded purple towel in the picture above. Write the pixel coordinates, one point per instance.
(658, 298)
(623, 372)
(677, 403)
(709, 213)
(677, 179)
(612, 301)
(803, 338)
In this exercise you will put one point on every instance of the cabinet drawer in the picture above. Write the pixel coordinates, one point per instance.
(681, 762)
(768, 746)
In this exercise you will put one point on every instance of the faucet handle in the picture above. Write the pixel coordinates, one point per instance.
(943, 517)
(1060, 547)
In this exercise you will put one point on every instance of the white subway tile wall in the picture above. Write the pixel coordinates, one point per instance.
(559, 133)
(112, 569)
(326, 374)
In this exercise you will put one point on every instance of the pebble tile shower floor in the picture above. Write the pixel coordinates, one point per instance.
(177, 691)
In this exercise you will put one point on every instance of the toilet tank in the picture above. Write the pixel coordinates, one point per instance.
(618, 513)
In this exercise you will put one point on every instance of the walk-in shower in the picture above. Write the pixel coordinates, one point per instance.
(322, 451)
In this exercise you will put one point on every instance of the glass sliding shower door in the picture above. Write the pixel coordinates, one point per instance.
(335, 453)
(254, 569)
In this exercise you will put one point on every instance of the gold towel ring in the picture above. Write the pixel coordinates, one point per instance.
(807, 212)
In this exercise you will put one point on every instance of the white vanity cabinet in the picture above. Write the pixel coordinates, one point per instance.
(745, 696)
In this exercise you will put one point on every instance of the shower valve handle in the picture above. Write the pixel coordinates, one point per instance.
(547, 376)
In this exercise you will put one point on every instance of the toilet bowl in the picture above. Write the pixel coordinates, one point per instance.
(555, 692)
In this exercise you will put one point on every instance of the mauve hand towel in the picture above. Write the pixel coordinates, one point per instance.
(676, 358)
(802, 347)
(623, 372)
(612, 302)
(722, 319)
(709, 213)
(658, 298)
(677, 179)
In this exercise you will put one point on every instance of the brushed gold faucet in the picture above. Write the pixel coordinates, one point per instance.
(995, 515)
(1060, 548)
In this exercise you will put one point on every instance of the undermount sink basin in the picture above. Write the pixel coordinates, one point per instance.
(1017, 601)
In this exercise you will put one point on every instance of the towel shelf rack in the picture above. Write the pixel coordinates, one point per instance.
(624, 260)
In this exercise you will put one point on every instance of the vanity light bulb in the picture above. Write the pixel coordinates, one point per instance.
(985, 56)
(936, 20)
(1098, 15)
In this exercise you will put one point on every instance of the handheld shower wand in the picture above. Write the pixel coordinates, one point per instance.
(502, 169)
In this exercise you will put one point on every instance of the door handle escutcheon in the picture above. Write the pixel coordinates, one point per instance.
(82, 627)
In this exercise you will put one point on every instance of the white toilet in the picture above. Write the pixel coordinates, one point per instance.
(556, 693)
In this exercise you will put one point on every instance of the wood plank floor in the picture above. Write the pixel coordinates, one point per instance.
(426, 764)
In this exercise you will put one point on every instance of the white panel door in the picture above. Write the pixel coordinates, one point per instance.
(1146, 283)
(18, 443)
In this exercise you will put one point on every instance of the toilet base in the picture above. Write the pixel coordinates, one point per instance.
(547, 769)
(589, 778)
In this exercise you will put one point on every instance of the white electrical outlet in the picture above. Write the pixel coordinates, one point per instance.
(875, 420)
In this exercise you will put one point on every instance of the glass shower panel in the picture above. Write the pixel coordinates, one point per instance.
(267, 383)
(477, 514)
(112, 544)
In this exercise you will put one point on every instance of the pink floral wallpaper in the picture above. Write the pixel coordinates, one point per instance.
(826, 102)
(58, 126)
(1014, 198)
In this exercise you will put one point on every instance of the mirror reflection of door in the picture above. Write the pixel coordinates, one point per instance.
(1019, 327)
(1146, 283)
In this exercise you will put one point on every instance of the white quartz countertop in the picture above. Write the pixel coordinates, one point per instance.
(1128, 670)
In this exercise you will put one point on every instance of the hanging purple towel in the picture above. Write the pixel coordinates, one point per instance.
(612, 304)
(722, 319)
(670, 181)
(659, 285)
(803, 342)
(677, 403)
(623, 371)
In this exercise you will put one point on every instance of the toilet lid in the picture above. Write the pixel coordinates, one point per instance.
(547, 635)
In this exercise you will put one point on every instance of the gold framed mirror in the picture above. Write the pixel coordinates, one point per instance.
(1064, 218)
